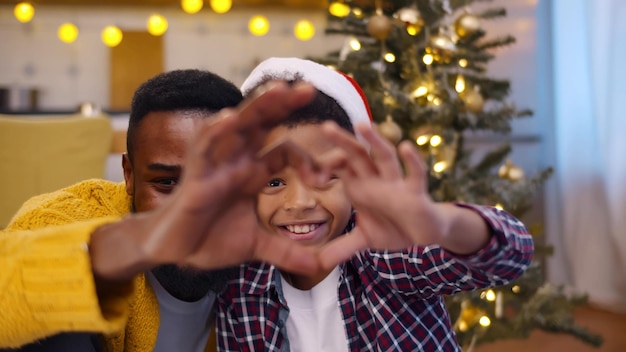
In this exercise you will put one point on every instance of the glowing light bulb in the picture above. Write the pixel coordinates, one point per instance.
(440, 166)
(484, 321)
(490, 295)
(435, 140)
(112, 36)
(355, 44)
(24, 12)
(390, 57)
(339, 9)
(157, 25)
(459, 86)
(67, 32)
(419, 92)
(428, 59)
(191, 6)
(422, 140)
(259, 25)
(463, 62)
(221, 6)
(304, 30)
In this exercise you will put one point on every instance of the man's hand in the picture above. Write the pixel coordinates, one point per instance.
(209, 220)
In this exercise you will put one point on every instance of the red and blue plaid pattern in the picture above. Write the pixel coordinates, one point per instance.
(391, 301)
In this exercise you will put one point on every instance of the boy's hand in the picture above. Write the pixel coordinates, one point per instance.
(393, 207)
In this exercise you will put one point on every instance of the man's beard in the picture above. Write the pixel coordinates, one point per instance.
(191, 285)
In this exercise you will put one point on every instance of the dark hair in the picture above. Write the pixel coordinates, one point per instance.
(180, 90)
(322, 108)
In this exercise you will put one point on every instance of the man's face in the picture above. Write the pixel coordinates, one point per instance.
(158, 156)
(289, 207)
(160, 146)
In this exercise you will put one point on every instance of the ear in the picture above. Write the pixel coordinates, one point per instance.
(127, 166)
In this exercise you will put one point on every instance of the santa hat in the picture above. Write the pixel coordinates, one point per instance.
(339, 86)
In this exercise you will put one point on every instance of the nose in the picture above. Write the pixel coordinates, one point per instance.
(299, 197)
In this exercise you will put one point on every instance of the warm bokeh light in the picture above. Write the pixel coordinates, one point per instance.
(191, 6)
(112, 36)
(422, 140)
(413, 29)
(515, 289)
(490, 295)
(24, 12)
(428, 59)
(339, 9)
(259, 25)
(435, 140)
(459, 85)
(67, 32)
(484, 321)
(157, 25)
(221, 6)
(463, 62)
(304, 30)
(440, 166)
(419, 92)
(390, 57)
(355, 44)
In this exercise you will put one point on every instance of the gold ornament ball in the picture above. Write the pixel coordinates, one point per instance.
(379, 26)
(390, 130)
(510, 171)
(466, 25)
(474, 101)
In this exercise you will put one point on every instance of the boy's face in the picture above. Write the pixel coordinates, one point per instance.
(288, 207)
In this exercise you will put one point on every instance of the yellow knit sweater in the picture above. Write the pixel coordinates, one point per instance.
(46, 280)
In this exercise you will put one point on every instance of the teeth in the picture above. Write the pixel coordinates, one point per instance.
(306, 228)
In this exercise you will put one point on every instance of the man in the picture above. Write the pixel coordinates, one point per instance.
(74, 260)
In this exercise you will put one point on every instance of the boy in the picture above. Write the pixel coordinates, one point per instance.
(388, 297)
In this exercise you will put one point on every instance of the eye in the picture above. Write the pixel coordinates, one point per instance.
(275, 183)
(167, 181)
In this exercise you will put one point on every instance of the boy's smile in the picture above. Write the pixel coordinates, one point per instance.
(289, 207)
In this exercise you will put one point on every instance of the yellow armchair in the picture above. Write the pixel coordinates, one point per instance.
(40, 154)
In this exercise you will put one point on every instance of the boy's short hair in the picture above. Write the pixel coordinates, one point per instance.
(180, 90)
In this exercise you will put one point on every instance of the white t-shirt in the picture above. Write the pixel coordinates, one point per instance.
(185, 326)
(315, 322)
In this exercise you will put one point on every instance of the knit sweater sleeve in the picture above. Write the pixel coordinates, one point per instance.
(46, 277)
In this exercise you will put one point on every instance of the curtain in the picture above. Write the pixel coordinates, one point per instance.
(588, 54)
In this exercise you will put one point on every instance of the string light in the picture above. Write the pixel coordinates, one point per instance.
(304, 30)
(24, 12)
(440, 166)
(157, 25)
(428, 59)
(435, 140)
(259, 25)
(355, 44)
(463, 62)
(112, 36)
(419, 92)
(422, 140)
(67, 32)
(459, 86)
(221, 6)
(339, 9)
(191, 6)
(484, 321)
(390, 57)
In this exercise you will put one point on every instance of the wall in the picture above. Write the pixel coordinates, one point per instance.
(67, 74)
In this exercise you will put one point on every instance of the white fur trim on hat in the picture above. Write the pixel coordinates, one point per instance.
(336, 85)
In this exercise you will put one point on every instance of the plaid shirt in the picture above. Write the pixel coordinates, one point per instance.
(390, 301)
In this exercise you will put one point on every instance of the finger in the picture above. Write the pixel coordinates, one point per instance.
(286, 254)
(413, 164)
(360, 162)
(342, 248)
(382, 152)
(272, 103)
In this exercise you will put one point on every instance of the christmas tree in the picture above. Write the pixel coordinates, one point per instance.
(423, 66)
